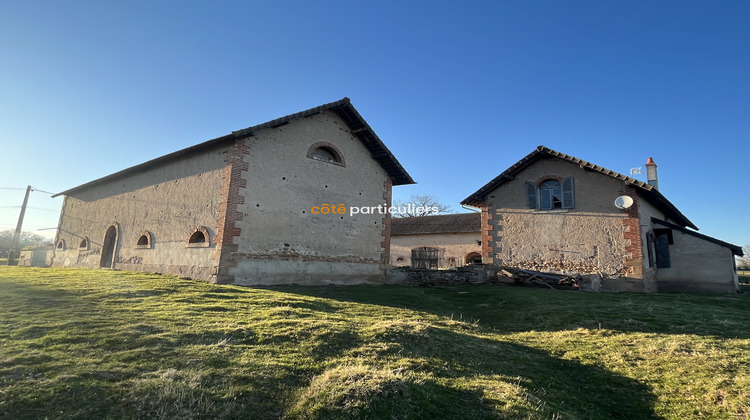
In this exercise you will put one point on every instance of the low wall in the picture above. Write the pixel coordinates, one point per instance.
(36, 258)
(422, 277)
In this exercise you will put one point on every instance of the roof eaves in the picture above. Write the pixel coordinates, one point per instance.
(217, 142)
(358, 125)
(736, 250)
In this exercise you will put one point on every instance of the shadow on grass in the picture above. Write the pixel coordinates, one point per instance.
(510, 309)
(468, 377)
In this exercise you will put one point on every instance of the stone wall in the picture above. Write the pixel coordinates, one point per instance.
(592, 237)
(455, 247)
(420, 277)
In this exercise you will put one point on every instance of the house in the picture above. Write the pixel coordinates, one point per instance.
(270, 204)
(440, 241)
(554, 212)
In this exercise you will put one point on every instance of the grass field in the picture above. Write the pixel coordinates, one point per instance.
(78, 343)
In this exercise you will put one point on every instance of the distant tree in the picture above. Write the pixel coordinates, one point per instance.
(421, 205)
(744, 261)
(25, 239)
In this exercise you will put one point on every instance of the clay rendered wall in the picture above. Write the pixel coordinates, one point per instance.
(453, 245)
(589, 238)
(168, 202)
(280, 238)
(697, 265)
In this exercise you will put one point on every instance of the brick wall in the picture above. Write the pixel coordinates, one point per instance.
(230, 198)
(385, 257)
(488, 228)
(632, 235)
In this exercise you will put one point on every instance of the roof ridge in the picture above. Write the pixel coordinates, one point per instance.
(650, 192)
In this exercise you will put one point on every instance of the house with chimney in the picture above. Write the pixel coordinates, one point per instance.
(554, 212)
(437, 242)
(268, 204)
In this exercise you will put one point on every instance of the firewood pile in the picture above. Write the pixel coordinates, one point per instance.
(521, 277)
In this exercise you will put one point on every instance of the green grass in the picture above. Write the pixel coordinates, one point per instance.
(3, 261)
(78, 343)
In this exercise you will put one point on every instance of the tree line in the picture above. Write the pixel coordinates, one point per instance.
(27, 239)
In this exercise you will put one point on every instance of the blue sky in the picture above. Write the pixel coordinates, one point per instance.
(458, 91)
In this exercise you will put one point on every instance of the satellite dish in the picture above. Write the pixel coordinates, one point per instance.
(623, 202)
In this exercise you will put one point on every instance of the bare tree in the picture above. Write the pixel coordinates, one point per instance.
(743, 263)
(421, 205)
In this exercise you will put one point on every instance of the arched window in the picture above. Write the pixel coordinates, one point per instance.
(84, 245)
(144, 241)
(60, 245)
(324, 151)
(551, 194)
(199, 238)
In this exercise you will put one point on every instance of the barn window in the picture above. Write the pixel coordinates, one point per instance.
(144, 241)
(326, 152)
(551, 194)
(199, 238)
(474, 259)
(84, 245)
(425, 257)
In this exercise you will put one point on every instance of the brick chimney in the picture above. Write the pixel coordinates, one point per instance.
(653, 179)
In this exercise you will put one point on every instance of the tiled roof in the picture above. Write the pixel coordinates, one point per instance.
(357, 125)
(648, 191)
(445, 223)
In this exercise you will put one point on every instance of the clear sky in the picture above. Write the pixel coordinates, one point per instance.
(457, 90)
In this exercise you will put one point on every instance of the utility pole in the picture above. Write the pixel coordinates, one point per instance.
(14, 253)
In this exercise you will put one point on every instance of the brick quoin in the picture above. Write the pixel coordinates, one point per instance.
(230, 192)
(385, 256)
(230, 195)
(632, 231)
(486, 228)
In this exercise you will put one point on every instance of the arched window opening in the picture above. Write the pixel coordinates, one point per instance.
(326, 152)
(199, 238)
(551, 194)
(61, 245)
(144, 241)
(84, 245)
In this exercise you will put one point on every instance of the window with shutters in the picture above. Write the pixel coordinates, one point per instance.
(551, 194)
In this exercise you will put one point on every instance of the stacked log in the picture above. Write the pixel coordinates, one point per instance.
(521, 277)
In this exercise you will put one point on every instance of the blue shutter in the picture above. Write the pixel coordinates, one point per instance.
(568, 193)
(662, 251)
(531, 195)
